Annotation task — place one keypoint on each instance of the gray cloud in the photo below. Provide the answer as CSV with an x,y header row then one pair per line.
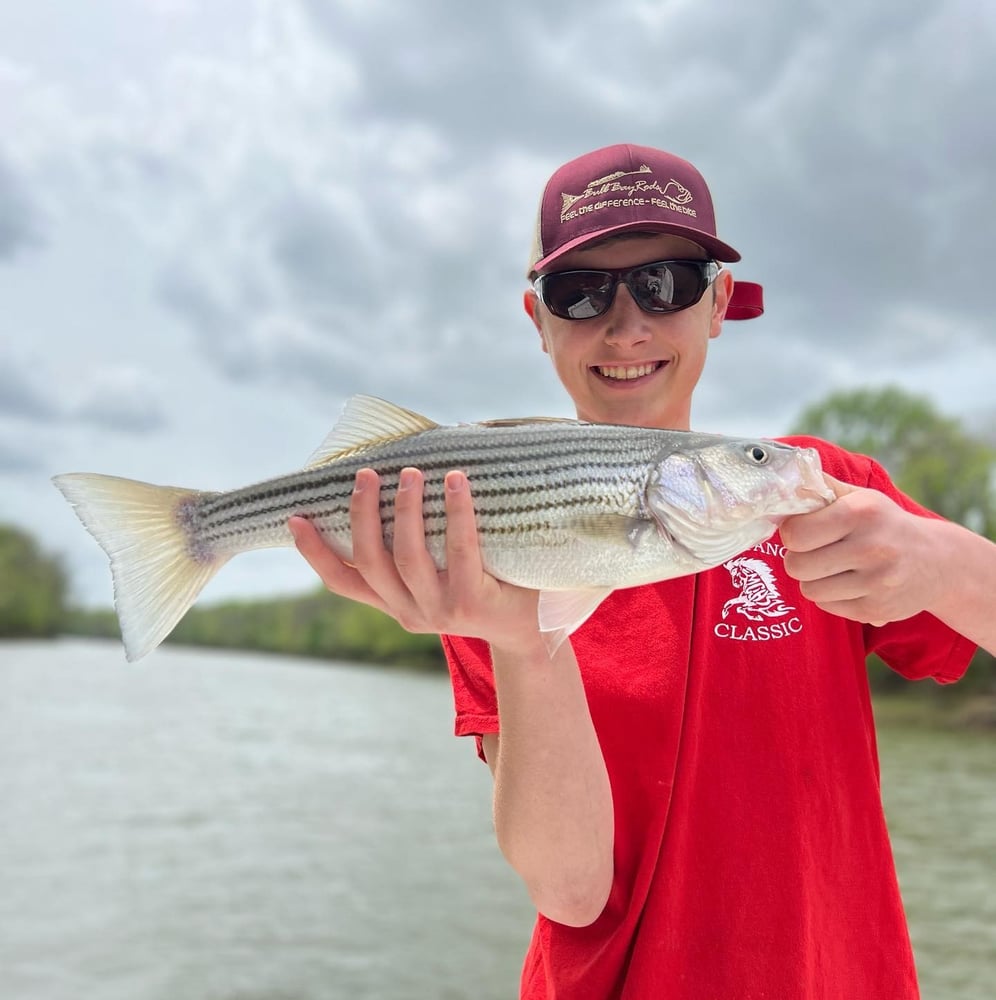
x,y
839,168
124,398
15,460
347,207
122,412
21,398
20,218
869,168
120,398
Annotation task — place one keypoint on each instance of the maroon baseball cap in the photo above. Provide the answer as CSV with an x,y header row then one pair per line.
x,y
626,188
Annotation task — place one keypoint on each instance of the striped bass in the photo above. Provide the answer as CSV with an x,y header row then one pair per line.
x,y
572,509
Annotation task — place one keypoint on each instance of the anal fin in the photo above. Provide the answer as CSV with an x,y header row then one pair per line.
x,y
562,612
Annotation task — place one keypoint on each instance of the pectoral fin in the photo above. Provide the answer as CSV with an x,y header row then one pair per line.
x,y
618,529
561,612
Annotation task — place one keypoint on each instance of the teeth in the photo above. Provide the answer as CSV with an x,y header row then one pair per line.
x,y
633,371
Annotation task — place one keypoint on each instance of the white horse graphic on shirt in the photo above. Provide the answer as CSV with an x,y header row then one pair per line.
x,y
759,597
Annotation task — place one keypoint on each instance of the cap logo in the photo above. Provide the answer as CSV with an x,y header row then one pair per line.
x,y
634,192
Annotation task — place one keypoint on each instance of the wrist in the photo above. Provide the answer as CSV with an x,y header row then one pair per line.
x,y
520,647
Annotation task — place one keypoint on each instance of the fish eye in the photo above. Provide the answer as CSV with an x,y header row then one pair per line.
x,y
757,454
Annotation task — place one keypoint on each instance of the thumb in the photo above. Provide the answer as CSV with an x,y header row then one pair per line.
x,y
838,488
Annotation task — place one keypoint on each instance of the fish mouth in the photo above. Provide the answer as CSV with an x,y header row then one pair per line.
x,y
812,484
628,373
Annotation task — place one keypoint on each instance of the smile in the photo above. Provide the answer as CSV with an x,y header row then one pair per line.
x,y
626,373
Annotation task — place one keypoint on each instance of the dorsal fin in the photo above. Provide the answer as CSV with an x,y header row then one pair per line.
x,y
367,421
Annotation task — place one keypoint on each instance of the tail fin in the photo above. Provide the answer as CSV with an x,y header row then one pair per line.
x,y
156,578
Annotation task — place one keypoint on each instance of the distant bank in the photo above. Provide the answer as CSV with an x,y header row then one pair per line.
x,y
317,624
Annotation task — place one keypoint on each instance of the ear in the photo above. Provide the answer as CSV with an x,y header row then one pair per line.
x,y
531,303
724,291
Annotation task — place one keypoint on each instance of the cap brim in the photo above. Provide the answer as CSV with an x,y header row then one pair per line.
x,y
716,248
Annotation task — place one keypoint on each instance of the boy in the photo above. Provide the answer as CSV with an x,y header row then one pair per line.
x,y
689,788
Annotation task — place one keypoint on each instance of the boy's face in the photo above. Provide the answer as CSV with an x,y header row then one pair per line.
x,y
628,366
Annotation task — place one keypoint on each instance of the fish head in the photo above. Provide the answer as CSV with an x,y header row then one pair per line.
x,y
729,493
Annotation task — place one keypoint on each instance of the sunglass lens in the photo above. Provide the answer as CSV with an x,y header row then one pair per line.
x,y
653,287
667,287
578,294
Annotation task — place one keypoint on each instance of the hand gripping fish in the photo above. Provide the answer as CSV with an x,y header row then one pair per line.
x,y
572,509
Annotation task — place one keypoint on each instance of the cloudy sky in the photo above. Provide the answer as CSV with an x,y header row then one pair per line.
x,y
220,218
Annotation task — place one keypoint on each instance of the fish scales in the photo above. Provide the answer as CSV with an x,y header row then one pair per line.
x,y
299,486
506,475
573,510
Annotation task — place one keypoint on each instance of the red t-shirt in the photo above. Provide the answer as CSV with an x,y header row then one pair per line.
x,y
751,853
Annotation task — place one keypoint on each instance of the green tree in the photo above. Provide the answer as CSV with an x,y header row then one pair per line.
x,y
318,624
929,456
32,587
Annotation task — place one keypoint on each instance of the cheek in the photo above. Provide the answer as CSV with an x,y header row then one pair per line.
x,y
535,312
554,344
568,348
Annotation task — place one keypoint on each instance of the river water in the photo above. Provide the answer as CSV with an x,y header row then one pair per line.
x,y
225,826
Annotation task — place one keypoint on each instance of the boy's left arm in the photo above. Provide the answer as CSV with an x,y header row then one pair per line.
x,y
865,558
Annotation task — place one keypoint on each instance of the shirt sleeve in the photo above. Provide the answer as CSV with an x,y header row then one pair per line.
x,y
473,679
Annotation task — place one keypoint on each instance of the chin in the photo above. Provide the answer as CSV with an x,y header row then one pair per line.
x,y
633,414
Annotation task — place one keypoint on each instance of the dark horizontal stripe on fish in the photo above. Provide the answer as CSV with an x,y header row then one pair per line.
x,y
290,500
295,485
506,453
527,521
513,461
305,490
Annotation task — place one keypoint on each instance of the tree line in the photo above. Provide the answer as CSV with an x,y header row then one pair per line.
x,y
931,457
33,588
318,624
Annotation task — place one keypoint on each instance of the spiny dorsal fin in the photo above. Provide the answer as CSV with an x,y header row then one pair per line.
x,y
367,421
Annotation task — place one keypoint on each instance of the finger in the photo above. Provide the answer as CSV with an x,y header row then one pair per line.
x,y
366,527
414,563
855,611
463,550
835,588
337,575
371,557
825,562
840,489
308,541
817,529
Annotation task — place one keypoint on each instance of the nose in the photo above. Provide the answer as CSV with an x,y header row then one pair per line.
x,y
627,323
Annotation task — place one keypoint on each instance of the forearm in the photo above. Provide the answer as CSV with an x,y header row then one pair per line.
x,y
966,598
553,805
552,800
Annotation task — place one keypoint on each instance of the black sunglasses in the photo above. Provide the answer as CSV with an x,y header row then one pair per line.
x,y
665,286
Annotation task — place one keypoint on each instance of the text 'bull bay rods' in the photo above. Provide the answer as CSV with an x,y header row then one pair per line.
x,y
572,509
